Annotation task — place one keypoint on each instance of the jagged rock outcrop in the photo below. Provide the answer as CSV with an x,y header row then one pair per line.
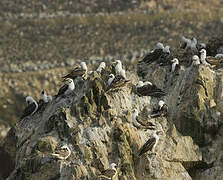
x,y
96,126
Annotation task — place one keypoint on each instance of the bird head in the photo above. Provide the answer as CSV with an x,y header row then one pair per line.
x,y
111,76
195,58
69,80
203,51
84,66
29,100
175,60
113,166
161,103
159,45
102,65
117,62
135,112
140,84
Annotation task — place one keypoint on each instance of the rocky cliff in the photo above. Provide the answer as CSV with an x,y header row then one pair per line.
x,y
96,127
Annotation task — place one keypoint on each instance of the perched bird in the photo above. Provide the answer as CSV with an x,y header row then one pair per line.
x,y
175,64
203,57
186,43
149,89
189,44
118,66
31,108
195,60
101,67
150,144
111,77
118,69
66,88
111,172
141,121
46,98
161,111
77,72
115,82
62,152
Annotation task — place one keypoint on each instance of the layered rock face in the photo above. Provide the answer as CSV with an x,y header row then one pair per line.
x,y
96,128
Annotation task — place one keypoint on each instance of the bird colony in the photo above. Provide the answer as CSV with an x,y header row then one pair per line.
x,y
116,79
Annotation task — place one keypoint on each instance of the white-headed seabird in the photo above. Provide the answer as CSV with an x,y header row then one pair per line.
x,y
149,89
77,72
101,66
203,57
189,44
66,88
139,121
150,144
175,64
110,173
111,77
118,69
46,98
195,60
115,82
31,108
161,111
62,152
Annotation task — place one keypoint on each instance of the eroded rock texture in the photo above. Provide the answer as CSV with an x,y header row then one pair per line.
x,y
96,128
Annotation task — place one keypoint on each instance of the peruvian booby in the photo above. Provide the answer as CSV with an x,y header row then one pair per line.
x,y
189,44
111,172
101,66
149,89
175,65
195,60
31,108
66,88
115,82
140,121
161,111
77,72
185,43
118,69
46,98
62,152
203,57
152,56
150,144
